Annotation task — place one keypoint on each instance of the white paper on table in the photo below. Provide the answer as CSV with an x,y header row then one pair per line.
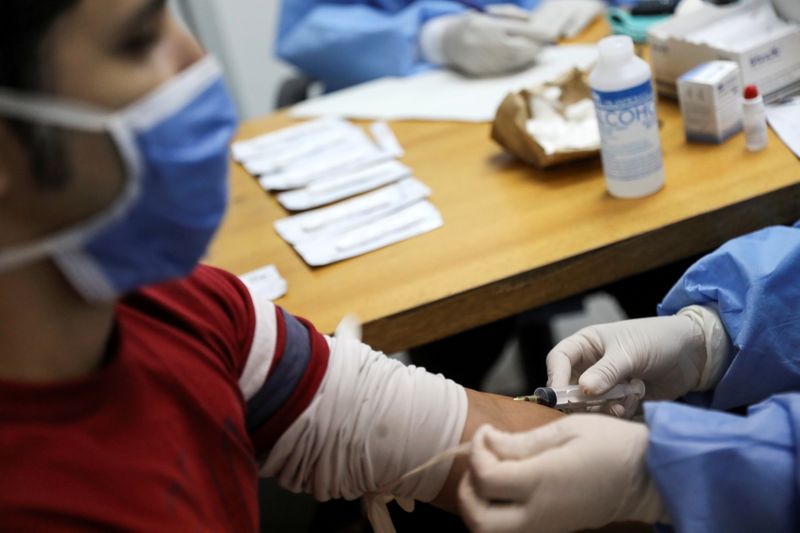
x,y
785,121
265,282
351,214
442,94
327,191
414,220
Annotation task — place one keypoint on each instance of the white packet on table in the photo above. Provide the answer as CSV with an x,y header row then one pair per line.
x,y
265,282
301,152
339,218
336,163
301,158
384,136
323,156
243,150
344,185
417,219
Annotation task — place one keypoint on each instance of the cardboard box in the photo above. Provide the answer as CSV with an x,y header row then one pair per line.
x,y
768,59
710,99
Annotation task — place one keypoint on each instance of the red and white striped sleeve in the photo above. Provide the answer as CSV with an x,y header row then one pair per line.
x,y
287,360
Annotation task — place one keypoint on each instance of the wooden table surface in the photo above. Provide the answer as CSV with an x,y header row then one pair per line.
x,y
513,238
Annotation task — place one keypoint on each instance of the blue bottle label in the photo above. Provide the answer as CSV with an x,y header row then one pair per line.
x,y
629,132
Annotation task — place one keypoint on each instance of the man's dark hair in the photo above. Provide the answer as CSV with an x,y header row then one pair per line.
x,y
23,25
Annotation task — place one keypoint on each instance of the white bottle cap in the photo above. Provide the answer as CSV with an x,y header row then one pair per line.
x,y
615,48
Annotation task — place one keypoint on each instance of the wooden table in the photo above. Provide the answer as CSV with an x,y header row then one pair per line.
x,y
514,238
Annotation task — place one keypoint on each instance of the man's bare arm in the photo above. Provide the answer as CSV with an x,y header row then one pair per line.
x,y
375,419
501,412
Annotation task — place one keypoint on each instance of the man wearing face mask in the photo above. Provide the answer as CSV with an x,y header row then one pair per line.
x,y
139,390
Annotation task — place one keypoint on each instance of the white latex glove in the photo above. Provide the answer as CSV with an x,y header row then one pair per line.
x,y
670,354
478,44
582,471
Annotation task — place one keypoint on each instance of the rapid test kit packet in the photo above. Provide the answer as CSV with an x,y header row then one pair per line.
x,y
710,102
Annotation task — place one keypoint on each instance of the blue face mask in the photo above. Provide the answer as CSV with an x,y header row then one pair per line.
x,y
174,145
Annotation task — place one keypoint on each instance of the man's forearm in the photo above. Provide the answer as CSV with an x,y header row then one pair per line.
x,y
501,412
374,419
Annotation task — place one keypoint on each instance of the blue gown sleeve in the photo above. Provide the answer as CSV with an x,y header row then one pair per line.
x,y
753,282
345,42
719,472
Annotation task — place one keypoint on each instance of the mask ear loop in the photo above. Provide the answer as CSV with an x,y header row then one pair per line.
x,y
174,95
53,112
84,273
76,117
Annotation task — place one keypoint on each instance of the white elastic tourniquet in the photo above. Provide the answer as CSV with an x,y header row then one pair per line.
x,y
372,420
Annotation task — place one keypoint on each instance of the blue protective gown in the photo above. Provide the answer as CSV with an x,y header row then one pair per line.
x,y
345,42
718,471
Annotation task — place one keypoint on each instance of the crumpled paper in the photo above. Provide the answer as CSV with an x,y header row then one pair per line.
x,y
510,127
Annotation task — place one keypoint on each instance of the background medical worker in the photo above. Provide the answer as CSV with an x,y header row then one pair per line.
x,y
138,390
729,331
345,42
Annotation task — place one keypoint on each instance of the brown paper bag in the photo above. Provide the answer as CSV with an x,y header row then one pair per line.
x,y
509,130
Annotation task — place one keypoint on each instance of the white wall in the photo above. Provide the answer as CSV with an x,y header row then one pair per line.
x,y
242,34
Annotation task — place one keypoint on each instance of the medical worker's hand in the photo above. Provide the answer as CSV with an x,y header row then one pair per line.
x,y
583,471
480,45
667,353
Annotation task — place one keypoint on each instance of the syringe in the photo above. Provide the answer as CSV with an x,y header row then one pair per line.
x,y
571,397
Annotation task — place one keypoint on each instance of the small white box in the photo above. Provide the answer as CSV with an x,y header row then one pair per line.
x,y
710,98
766,48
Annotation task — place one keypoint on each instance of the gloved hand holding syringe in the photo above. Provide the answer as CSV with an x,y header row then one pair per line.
x,y
573,398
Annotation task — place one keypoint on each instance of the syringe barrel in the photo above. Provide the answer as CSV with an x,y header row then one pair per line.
x,y
572,396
